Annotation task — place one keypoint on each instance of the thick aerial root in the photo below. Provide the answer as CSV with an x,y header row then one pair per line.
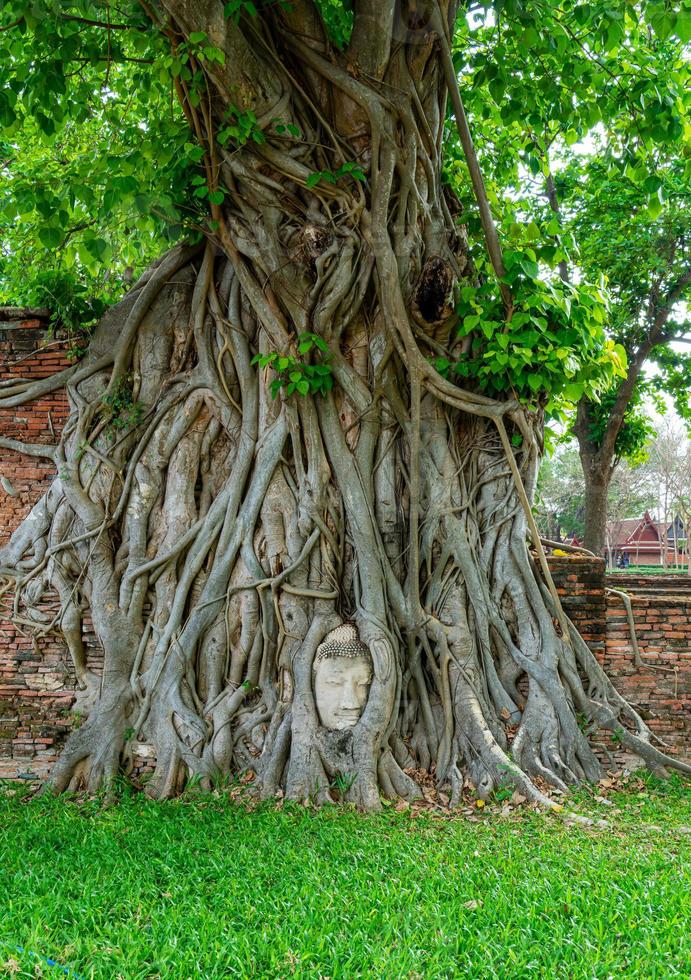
x,y
91,759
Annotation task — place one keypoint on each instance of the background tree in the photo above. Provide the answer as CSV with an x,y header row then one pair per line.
x,y
670,468
560,499
629,495
325,411
682,504
561,496
646,254
582,109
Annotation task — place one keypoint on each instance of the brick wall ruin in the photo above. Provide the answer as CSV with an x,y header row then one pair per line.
x,y
37,683
660,688
36,677
25,355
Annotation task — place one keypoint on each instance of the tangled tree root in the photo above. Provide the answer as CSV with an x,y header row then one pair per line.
x,y
217,534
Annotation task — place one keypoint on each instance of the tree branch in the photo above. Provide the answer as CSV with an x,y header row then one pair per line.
x,y
655,336
28,448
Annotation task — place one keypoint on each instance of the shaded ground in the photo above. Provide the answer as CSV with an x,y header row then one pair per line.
x,y
206,889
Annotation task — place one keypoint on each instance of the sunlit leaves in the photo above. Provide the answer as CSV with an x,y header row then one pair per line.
x,y
540,78
553,348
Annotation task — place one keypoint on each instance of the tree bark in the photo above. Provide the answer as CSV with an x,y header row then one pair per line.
x,y
219,517
595,529
598,465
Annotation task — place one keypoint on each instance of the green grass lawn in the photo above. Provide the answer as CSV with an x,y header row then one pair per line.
x,y
205,888
648,570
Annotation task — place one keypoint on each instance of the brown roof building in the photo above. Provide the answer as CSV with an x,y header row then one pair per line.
x,y
645,541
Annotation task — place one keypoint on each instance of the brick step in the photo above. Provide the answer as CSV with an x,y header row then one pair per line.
x,y
651,585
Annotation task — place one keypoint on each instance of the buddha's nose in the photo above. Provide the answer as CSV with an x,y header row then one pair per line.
x,y
350,698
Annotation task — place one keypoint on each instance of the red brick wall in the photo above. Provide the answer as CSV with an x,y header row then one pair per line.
x,y
661,688
656,584
580,582
22,356
36,693
36,679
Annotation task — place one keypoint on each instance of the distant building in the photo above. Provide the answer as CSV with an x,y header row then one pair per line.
x,y
643,541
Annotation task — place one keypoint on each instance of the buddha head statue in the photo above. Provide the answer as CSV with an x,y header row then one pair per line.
x,y
342,676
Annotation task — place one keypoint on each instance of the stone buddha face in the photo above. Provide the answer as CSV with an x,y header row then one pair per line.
x,y
342,678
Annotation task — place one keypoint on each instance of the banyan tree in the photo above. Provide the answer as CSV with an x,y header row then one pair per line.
x,y
307,547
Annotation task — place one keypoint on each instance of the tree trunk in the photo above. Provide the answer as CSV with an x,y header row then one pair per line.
x,y
598,474
330,587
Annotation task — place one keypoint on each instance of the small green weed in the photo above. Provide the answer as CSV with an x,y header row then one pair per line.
x,y
293,373
120,408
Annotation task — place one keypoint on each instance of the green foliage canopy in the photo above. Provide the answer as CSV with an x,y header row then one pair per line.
x,y
96,156
100,170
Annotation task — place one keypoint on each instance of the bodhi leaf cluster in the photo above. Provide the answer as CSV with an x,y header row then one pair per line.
x,y
120,408
553,347
294,373
348,169
72,306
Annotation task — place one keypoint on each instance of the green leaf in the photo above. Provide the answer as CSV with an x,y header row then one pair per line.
x,y
50,237
536,382
530,268
574,391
